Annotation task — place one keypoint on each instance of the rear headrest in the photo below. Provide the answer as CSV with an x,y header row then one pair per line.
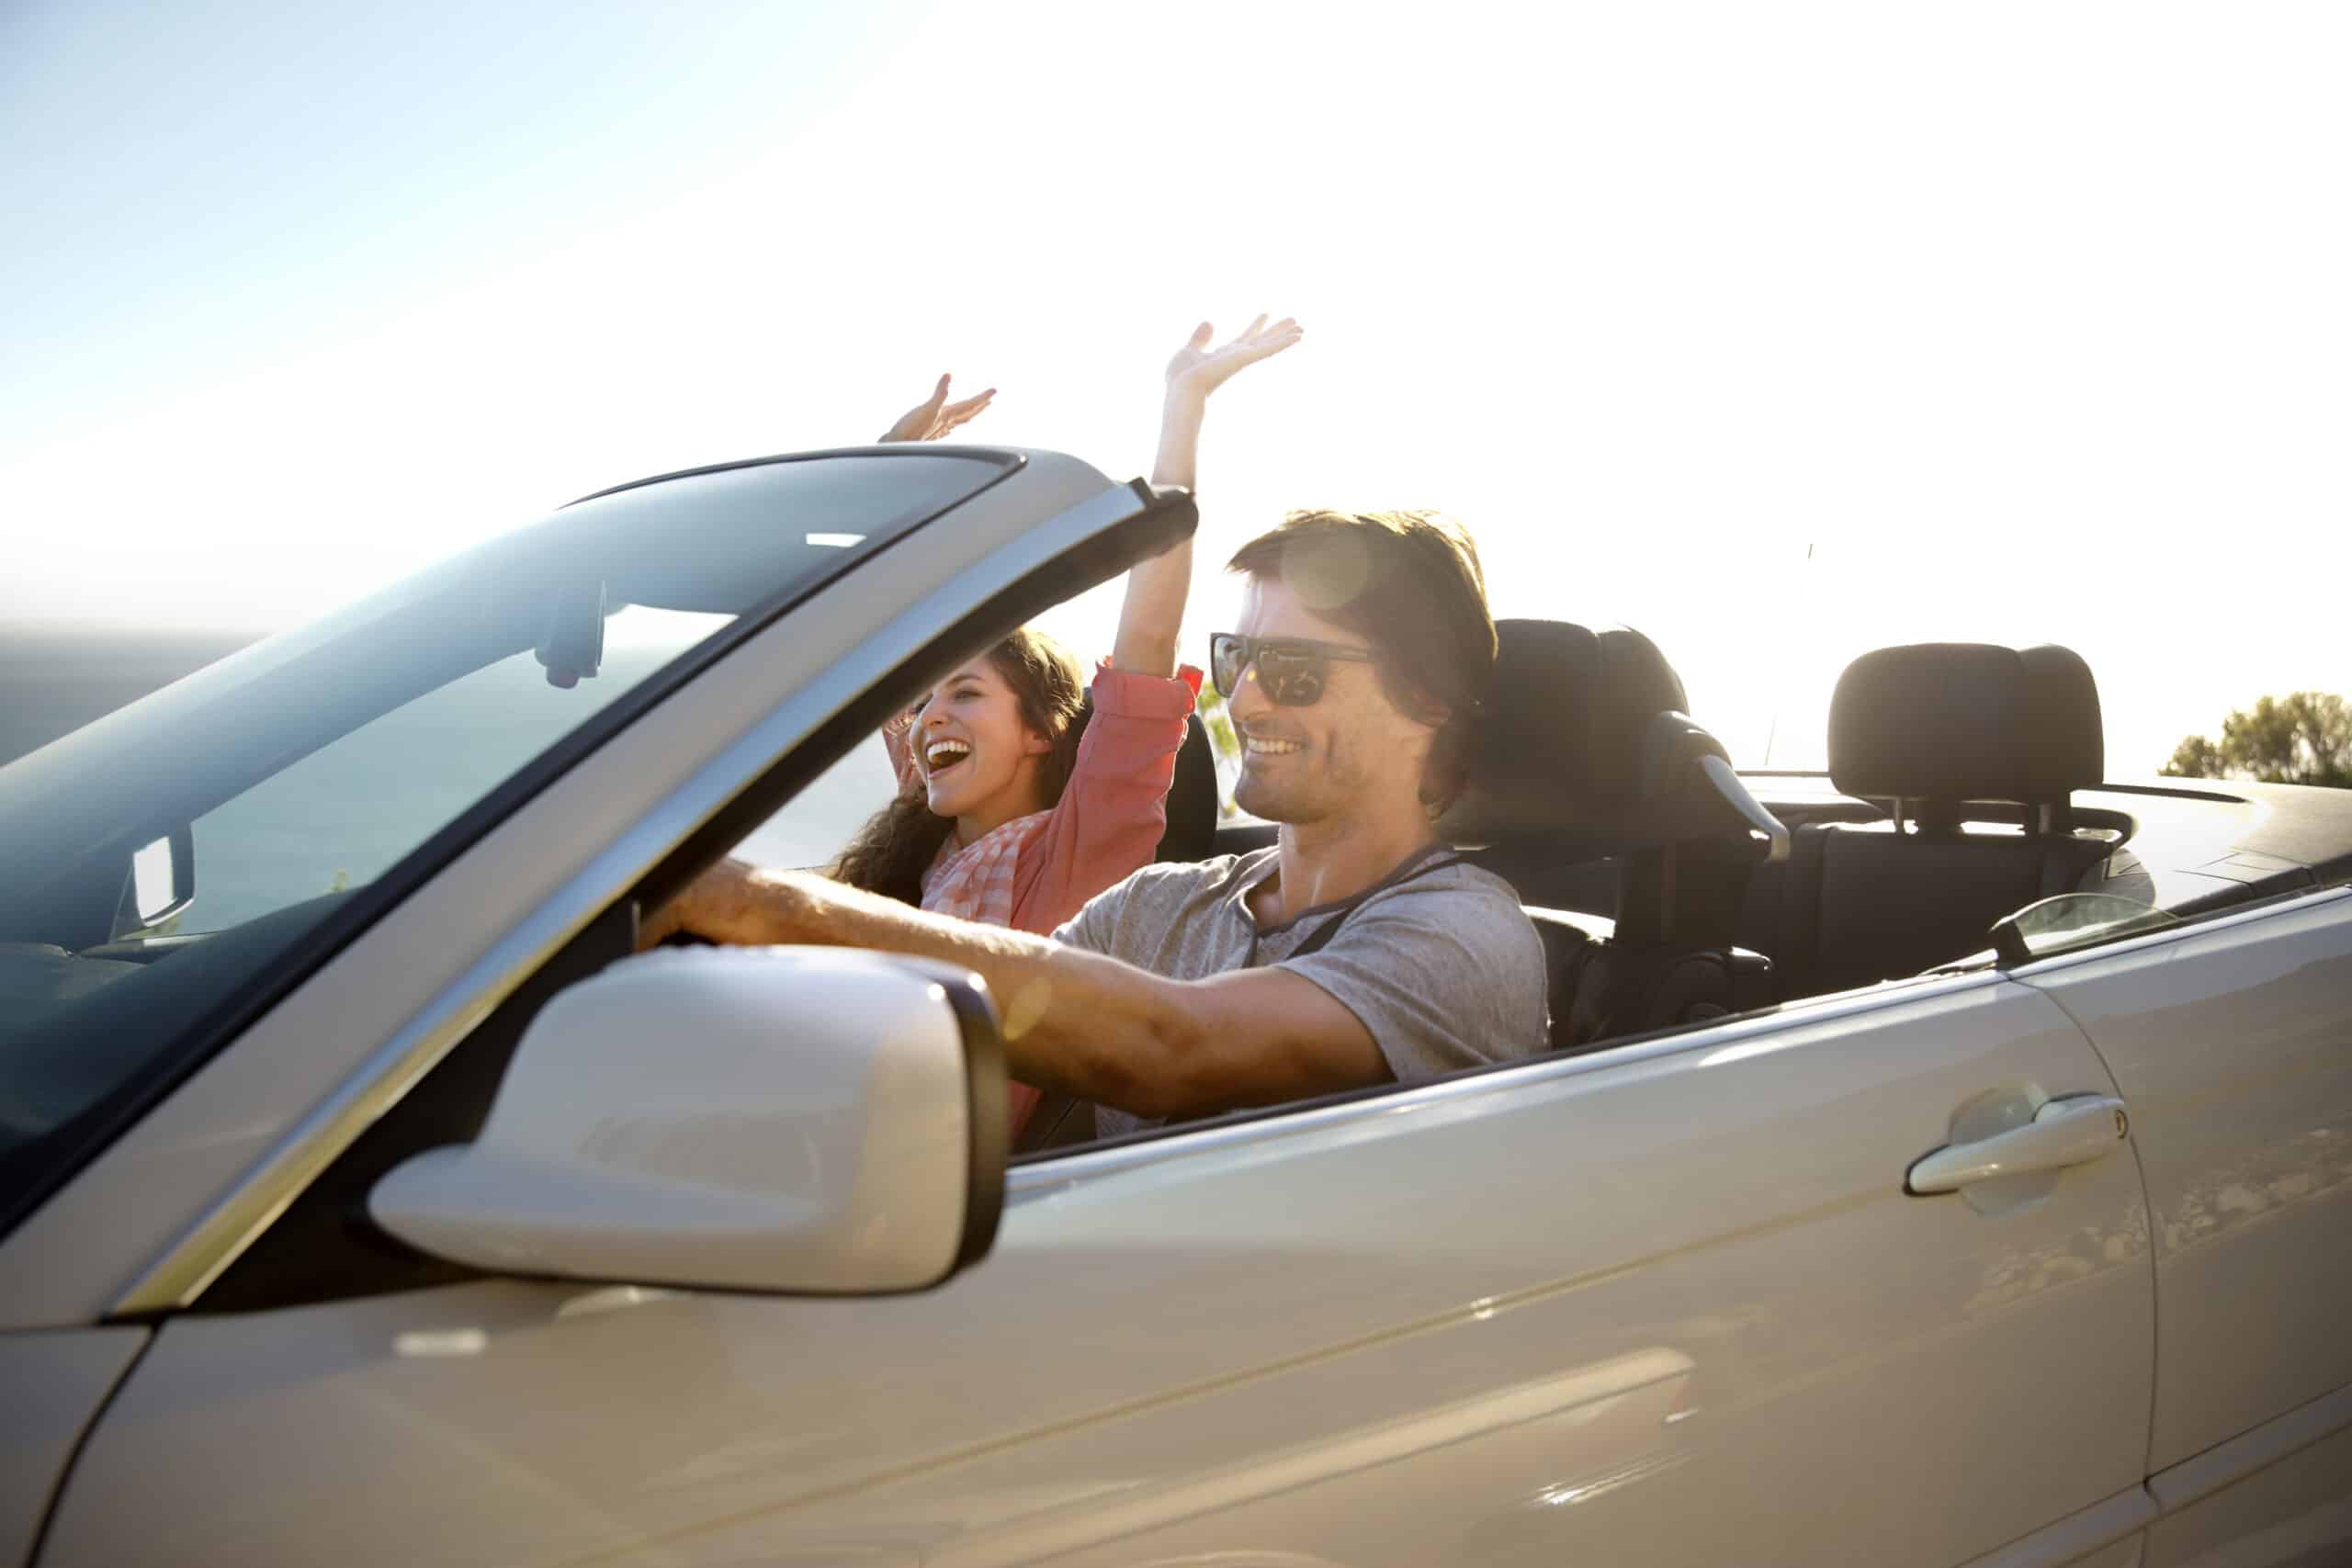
x,y
1966,721
1563,735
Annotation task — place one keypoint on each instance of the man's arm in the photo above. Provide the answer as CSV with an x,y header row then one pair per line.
x,y
1077,1022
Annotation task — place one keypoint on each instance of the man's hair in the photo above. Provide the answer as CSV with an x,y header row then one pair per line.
x,y
1408,584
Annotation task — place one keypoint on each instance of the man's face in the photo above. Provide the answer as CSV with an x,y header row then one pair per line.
x,y
1349,749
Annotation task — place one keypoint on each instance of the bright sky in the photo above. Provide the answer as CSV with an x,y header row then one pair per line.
x,y
2031,322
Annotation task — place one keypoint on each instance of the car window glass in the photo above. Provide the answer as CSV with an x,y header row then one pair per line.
x,y
810,831
2074,920
341,816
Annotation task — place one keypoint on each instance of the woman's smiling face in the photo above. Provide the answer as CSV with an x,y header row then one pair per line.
x,y
980,761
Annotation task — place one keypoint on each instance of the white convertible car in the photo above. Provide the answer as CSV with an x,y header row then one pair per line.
x,y
1944,1161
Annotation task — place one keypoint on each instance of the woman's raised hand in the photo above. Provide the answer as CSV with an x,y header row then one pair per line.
x,y
1153,614
1197,370
936,416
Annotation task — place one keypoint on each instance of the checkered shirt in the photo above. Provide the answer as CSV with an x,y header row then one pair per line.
x,y
975,883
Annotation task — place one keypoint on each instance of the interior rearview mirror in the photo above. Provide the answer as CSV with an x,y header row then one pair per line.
x,y
571,640
783,1119
160,884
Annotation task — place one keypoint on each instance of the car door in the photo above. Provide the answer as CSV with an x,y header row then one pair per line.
x,y
57,1383
1665,1303
2232,1041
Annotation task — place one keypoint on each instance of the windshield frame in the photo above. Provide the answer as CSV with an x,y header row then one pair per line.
x,y
30,1174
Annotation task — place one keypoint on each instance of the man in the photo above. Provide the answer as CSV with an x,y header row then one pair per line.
x,y
1355,952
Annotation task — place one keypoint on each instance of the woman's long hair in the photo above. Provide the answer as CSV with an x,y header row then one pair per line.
x,y
899,842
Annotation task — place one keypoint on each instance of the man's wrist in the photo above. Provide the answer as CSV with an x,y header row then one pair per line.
x,y
787,900
740,904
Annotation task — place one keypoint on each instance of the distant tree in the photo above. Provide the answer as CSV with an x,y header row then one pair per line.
x,y
2304,738
2196,758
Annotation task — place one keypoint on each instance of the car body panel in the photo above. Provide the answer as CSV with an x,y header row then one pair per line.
x,y
2123,1553
2294,1511
2105,1535
117,1237
57,1382
1579,1305
2233,1048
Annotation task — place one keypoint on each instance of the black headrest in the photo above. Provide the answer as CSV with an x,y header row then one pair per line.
x,y
1563,738
1966,721
1193,798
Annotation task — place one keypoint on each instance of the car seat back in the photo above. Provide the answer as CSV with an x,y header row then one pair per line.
x,y
1587,753
1193,797
1927,729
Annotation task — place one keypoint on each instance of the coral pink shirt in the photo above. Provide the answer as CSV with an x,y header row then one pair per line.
x,y
1034,872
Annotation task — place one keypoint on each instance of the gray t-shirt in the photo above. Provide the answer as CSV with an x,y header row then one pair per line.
x,y
1440,963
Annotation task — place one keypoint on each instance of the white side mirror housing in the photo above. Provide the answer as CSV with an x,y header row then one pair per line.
x,y
786,1119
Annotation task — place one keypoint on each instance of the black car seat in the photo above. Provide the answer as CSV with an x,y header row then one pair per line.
x,y
1587,753
1192,798
1925,729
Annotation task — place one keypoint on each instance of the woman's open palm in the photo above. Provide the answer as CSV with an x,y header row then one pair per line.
x,y
1199,369
936,416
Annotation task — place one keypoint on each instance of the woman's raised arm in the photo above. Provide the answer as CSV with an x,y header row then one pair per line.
x,y
936,416
1151,618
927,420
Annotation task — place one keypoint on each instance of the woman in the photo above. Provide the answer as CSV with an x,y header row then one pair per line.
x,y
1004,813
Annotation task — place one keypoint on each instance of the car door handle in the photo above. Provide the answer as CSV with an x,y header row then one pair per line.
x,y
2075,1130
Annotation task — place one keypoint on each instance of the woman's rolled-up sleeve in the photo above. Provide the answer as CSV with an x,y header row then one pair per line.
x,y
1114,807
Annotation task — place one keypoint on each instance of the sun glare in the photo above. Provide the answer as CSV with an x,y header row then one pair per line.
x,y
1777,335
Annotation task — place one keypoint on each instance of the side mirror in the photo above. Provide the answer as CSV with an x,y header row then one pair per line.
x,y
784,1118
159,883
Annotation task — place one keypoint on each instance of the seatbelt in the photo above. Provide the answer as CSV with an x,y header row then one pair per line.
x,y
1046,1123
1330,928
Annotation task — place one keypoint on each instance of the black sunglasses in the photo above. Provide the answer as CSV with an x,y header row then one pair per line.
x,y
1291,671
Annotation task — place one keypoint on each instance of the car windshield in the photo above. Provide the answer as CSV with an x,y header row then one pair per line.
x,y
160,867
